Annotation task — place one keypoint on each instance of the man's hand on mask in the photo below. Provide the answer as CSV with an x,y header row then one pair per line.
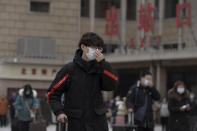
x,y
98,56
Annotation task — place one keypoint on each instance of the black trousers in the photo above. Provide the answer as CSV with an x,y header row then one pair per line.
x,y
164,123
24,125
3,120
144,129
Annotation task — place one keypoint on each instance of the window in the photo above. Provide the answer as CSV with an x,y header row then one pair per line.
x,y
131,9
170,8
103,5
36,6
110,48
85,8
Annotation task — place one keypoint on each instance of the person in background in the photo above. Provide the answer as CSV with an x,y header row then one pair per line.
x,y
113,109
4,107
140,100
164,114
179,107
125,110
193,112
26,104
46,110
11,104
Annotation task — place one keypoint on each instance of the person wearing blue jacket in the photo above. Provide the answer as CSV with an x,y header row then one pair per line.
x,y
25,106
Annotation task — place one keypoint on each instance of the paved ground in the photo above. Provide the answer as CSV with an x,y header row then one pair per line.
x,y
52,128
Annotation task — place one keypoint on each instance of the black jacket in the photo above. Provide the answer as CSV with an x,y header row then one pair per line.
x,y
82,82
136,99
178,121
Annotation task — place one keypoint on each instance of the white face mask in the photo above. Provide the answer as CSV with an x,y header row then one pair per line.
x,y
90,53
180,90
146,82
191,96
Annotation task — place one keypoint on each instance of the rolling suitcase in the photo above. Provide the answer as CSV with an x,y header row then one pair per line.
x,y
62,126
130,126
38,123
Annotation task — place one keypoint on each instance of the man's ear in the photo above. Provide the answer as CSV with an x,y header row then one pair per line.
x,y
82,46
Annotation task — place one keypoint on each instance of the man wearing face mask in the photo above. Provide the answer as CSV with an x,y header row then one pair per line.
x,y
81,82
140,99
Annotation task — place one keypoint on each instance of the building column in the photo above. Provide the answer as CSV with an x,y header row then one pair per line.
x,y
161,16
123,21
150,33
92,15
161,80
180,33
138,3
79,21
140,33
153,71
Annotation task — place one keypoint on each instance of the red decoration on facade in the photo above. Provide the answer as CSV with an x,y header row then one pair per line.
x,y
23,71
146,20
149,22
111,27
141,17
54,71
179,8
142,42
33,71
44,71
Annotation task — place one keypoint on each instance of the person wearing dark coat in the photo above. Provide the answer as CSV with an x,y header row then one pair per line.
x,y
140,99
179,107
11,103
81,82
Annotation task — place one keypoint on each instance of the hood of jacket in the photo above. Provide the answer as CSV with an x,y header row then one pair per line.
x,y
20,92
172,93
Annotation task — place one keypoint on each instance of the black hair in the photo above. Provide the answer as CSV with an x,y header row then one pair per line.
x,y
144,73
26,88
91,39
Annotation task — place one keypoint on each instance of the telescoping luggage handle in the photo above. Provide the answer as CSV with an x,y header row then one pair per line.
x,y
63,126
131,121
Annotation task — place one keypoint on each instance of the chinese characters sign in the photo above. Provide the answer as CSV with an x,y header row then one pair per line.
x,y
111,27
146,20
35,71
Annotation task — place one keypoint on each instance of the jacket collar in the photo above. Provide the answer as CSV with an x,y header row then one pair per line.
x,y
87,66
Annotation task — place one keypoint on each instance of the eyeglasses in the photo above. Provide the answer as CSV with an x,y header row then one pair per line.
x,y
100,49
97,48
